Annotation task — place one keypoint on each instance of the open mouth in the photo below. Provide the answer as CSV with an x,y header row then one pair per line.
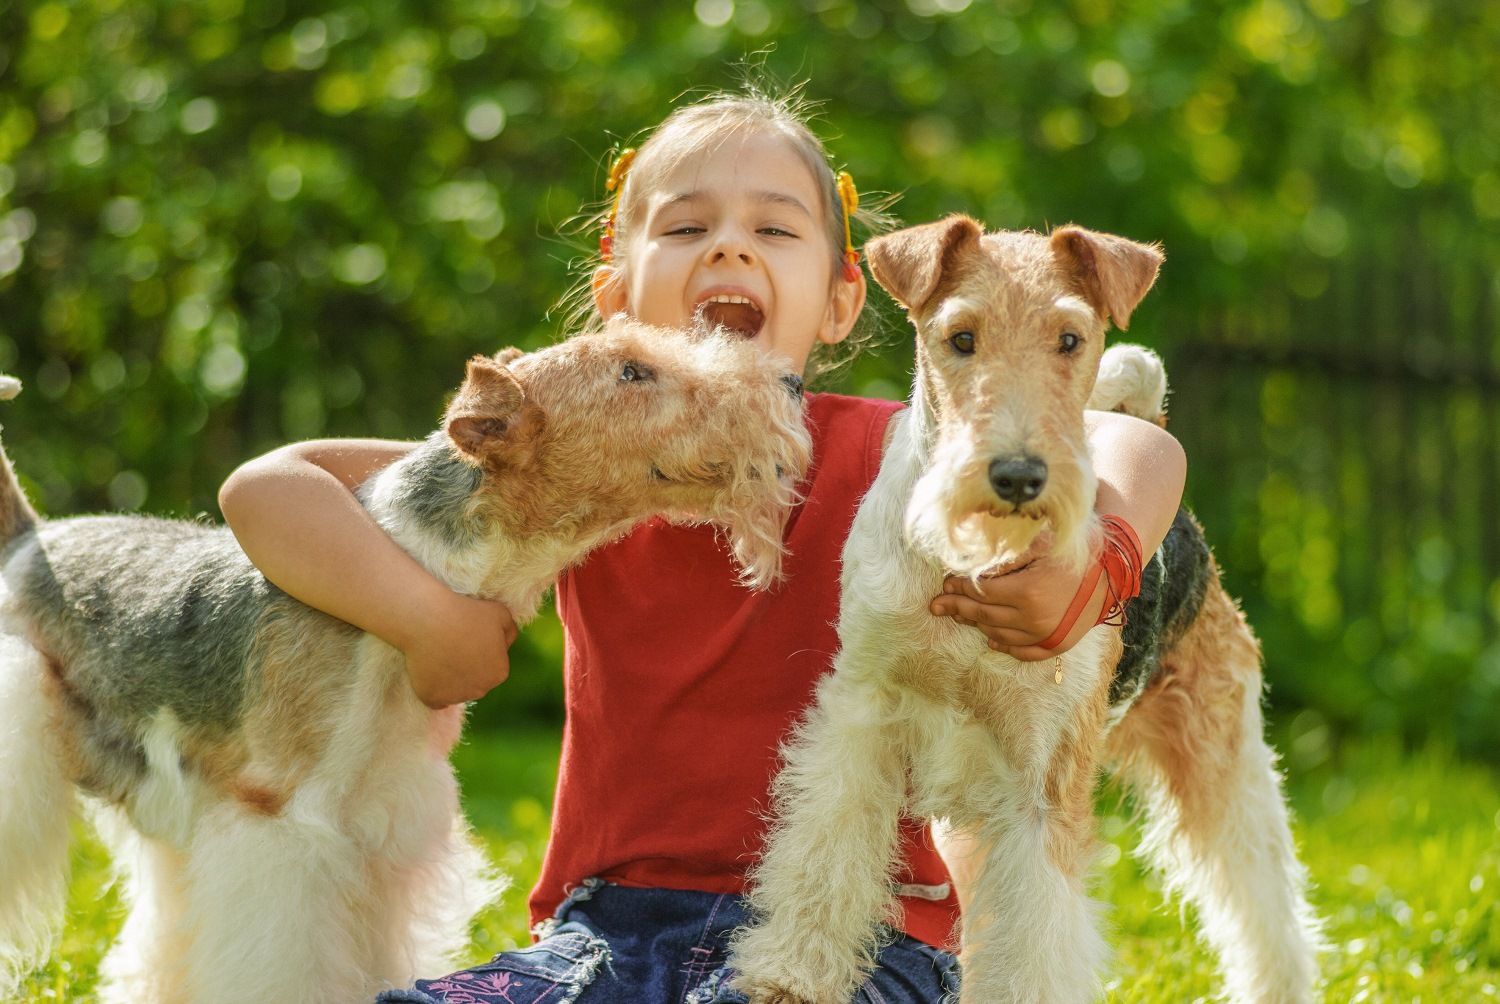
x,y
735,313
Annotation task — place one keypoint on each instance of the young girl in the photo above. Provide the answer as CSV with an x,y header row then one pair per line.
x,y
681,683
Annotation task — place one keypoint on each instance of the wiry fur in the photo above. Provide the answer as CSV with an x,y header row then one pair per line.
x,y
920,715
279,800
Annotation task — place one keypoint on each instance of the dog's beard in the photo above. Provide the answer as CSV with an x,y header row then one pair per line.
x,y
955,517
750,508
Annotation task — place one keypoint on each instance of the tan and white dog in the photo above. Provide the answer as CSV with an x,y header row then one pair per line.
x,y
921,716
280,801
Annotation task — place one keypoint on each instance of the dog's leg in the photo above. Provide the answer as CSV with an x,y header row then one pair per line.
x,y
145,965
278,906
823,886
425,904
35,815
1031,935
428,877
1193,749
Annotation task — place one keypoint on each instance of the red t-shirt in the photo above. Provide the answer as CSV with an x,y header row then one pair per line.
x,y
681,685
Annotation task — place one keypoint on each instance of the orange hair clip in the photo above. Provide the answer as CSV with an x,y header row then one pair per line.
x,y
849,199
615,183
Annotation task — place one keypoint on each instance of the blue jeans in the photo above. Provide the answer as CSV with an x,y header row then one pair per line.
x,y
613,945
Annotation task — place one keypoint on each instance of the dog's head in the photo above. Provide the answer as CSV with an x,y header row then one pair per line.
x,y
1010,327
592,435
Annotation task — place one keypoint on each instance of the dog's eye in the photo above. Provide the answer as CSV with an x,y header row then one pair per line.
x,y
1067,343
963,343
635,373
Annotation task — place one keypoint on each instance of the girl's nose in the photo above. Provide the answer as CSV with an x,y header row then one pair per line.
x,y
731,244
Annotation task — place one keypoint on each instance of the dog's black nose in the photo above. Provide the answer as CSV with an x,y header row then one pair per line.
x,y
1018,479
793,383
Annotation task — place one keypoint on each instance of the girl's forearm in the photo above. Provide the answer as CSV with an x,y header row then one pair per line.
x,y
1142,469
295,514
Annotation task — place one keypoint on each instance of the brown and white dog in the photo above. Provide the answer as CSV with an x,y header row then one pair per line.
x,y
280,800
920,715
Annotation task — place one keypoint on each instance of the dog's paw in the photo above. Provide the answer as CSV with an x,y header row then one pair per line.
x,y
760,992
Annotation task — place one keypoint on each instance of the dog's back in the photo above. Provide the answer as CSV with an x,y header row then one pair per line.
x,y
140,618
141,613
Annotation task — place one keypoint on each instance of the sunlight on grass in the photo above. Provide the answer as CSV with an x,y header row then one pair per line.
x,y
1404,853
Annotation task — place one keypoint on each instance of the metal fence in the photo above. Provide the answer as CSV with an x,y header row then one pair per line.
x,y
1343,457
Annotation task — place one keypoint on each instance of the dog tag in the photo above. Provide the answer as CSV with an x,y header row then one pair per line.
x,y
1057,664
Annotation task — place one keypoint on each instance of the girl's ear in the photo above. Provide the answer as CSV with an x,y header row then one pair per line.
x,y
610,294
844,305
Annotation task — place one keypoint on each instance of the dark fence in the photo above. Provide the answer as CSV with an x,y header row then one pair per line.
x,y
1343,457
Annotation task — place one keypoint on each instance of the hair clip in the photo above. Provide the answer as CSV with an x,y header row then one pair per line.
x,y
615,183
849,199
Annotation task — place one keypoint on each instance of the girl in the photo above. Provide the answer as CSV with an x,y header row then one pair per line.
x,y
680,683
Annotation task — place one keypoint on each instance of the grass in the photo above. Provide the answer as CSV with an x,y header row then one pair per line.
x,y
1404,850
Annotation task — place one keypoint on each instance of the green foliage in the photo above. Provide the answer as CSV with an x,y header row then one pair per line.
x,y
225,224
1404,853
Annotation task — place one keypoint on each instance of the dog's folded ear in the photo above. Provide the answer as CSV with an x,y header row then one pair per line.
x,y
911,263
508,355
489,410
1113,273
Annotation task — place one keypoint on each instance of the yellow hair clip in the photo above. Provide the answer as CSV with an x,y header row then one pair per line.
x,y
615,183
849,199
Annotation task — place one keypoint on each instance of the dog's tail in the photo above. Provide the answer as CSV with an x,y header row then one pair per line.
x,y
37,806
1132,380
16,513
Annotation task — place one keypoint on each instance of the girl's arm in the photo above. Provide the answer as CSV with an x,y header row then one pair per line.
x,y
1141,470
295,514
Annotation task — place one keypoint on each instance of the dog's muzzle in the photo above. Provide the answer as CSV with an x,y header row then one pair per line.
x,y
793,384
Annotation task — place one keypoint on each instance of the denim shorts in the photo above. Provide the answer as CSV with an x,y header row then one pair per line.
x,y
614,945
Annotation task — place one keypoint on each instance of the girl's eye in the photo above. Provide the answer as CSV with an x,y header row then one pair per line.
x,y
963,343
687,228
776,232
1067,343
635,373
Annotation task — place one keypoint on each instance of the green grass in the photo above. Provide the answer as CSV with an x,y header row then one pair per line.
x,y
1404,851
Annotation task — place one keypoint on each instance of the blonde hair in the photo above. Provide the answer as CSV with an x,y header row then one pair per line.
x,y
689,131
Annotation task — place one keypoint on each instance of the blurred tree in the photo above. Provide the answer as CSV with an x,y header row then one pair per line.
x,y
229,223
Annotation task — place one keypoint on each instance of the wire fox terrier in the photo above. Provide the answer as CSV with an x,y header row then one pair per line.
x,y
920,715
280,799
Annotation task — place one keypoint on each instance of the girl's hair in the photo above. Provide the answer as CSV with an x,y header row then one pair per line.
x,y
694,128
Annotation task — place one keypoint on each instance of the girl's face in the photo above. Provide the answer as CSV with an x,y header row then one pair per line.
x,y
736,233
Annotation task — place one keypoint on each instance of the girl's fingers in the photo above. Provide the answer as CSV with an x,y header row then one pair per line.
x,y
976,612
985,591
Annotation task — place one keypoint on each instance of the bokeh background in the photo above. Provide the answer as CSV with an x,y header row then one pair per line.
x,y
226,224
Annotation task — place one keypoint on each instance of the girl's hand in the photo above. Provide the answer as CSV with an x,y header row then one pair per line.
x,y
460,652
1017,610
